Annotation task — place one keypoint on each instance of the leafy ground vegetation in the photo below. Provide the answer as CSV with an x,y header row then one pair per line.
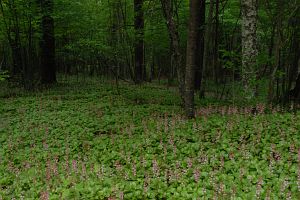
x,y
94,141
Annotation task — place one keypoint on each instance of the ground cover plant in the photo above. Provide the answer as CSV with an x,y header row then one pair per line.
x,y
94,141
149,99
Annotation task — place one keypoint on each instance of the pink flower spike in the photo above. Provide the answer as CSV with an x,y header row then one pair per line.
x,y
44,195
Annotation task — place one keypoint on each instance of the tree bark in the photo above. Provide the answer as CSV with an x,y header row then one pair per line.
x,y
199,67
172,26
277,49
12,26
192,55
48,68
208,44
216,43
294,56
139,45
295,93
249,46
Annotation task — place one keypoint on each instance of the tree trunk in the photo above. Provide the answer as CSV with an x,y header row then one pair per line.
x,y
249,46
277,49
294,59
192,55
139,44
12,26
48,68
172,26
199,68
216,43
208,44
295,93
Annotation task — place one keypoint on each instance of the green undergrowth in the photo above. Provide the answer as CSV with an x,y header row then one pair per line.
x,y
97,141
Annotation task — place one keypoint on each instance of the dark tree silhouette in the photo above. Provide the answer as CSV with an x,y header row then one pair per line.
x,y
192,55
48,68
140,71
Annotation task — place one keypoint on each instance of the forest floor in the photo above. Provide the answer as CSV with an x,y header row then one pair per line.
x,y
94,141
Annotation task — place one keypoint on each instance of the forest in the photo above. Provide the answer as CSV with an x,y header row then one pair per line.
x,y
149,99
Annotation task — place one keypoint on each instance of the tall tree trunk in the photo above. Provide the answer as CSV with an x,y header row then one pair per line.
x,y
192,55
294,62
295,93
114,40
169,13
249,46
216,43
13,36
139,44
48,68
208,44
199,68
277,49
295,55
270,52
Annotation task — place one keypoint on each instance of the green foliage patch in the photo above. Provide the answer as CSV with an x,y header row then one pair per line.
x,y
89,142
3,75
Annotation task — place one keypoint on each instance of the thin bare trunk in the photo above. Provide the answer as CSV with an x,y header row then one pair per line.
x,y
169,15
199,68
48,68
139,44
277,49
208,43
191,56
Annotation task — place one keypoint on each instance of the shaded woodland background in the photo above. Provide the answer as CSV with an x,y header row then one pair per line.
x,y
194,45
